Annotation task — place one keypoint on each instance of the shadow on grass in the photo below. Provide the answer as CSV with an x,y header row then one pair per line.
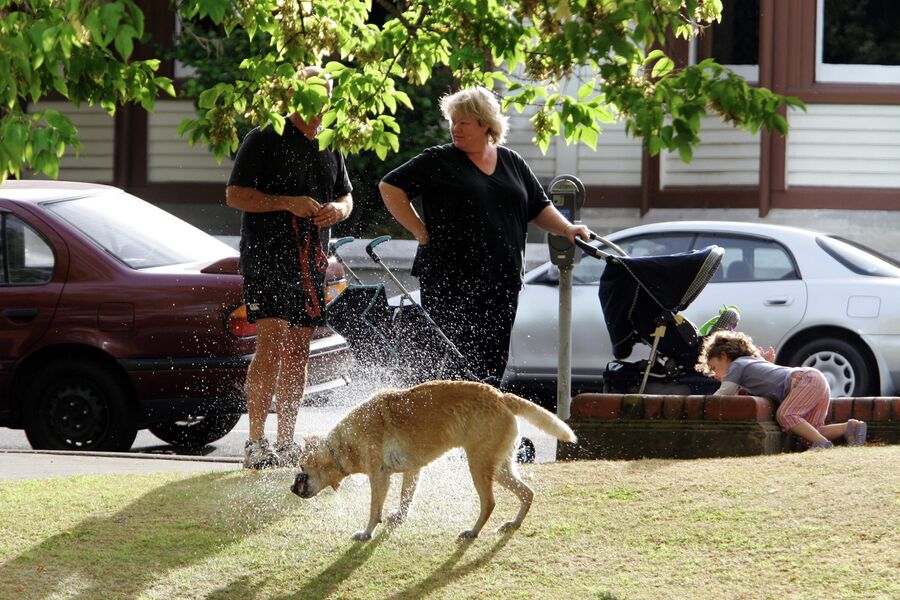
x,y
325,583
448,571
170,527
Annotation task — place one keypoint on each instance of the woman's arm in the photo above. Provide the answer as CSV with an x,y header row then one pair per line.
x,y
551,220
398,204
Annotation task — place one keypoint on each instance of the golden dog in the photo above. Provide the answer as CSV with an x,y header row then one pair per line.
x,y
401,431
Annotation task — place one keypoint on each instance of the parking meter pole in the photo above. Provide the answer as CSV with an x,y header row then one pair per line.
x,y
567,194
564,373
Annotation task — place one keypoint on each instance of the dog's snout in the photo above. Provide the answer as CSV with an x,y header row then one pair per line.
x,y
299,486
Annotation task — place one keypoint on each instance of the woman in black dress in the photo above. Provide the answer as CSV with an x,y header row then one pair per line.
x,y
477,199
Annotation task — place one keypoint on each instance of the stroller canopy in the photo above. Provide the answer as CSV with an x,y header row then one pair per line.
x,y
636,292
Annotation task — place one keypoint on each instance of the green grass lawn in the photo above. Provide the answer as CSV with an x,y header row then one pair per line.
x,y
810,525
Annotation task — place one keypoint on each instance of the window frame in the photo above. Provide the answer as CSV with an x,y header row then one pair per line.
x,y
848,73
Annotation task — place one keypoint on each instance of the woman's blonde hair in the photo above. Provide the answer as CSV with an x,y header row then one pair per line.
x,y
732,344
478,103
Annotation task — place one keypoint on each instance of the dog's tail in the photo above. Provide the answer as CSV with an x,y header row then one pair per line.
x,y
539,417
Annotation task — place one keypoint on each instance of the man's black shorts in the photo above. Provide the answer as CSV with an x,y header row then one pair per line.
x,y
298,303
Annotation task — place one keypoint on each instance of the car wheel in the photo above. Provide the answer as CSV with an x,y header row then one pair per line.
x,y
196,432
79,405
842,363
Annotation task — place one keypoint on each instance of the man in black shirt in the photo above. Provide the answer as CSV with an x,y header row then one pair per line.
x,y
290,193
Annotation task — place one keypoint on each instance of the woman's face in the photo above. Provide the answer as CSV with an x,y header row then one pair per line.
x,y
469,135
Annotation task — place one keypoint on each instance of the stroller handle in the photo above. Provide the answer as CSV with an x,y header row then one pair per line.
x,y
370,247
597,252
344,240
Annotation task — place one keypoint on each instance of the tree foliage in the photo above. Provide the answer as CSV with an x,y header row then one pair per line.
x,y
80,50
526,49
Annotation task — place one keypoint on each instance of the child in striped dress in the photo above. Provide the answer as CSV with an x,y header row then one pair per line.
x,y
801,393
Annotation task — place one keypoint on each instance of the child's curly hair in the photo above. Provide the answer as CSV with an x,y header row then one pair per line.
x,y
733,344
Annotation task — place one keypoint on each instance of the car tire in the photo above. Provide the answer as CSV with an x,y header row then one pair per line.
x,y
79,405
843,364
197,432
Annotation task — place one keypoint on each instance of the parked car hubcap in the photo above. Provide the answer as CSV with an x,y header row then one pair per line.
x,y
837,370
77,414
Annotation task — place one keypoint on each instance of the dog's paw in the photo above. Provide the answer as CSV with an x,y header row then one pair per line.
x,y
468,534
362,536
508,527
396,517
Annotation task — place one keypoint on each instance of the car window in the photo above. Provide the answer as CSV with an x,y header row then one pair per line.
x,y
138,233
26,257
859,258
750,258
589,270
656,244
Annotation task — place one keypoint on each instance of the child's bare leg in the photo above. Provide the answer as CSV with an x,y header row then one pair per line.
x,y
835,431
808,432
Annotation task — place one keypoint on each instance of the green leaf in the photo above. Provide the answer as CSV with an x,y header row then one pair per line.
x,y
208,98
662,67
124,44
403,98
328,118
586,90
325,137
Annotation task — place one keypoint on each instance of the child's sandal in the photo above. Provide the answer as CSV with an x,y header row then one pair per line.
x,y
821,445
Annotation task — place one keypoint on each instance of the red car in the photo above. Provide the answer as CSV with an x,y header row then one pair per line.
x,y
116,315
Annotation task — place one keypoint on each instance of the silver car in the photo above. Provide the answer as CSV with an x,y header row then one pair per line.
x,y
820,300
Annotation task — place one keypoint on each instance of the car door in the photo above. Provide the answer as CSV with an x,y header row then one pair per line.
x,y
33,265
759,276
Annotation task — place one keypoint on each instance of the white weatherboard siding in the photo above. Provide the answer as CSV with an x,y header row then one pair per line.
x,y
616,162
96,131
726,156
170,157
519,138
844,145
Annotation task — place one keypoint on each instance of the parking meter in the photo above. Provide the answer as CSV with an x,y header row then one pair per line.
x,y
567,194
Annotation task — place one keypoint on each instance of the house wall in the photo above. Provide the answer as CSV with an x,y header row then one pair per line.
x,y
170,158
844,146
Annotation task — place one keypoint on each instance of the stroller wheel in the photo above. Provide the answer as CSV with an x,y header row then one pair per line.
x,y
525,453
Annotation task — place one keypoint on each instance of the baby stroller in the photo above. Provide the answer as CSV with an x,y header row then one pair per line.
x,y
641,298
404,340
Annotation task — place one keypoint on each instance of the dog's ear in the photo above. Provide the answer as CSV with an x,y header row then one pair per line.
x,y
308,448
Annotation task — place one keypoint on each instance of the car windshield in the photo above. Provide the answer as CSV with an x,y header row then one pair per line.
x,y
138,233
859,258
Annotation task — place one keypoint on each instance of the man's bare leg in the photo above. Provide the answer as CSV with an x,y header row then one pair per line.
x,y
263,372
291,380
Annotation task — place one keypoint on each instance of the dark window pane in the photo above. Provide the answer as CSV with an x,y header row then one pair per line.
x,y
29,260
734,41
861,32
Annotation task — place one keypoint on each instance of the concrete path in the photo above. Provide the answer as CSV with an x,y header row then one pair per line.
x,y
20,464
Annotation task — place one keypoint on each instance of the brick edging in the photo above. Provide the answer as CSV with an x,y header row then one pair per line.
x,y
720,408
